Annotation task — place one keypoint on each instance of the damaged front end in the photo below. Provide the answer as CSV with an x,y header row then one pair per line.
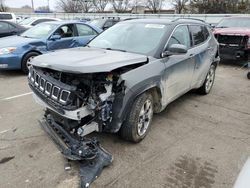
x,y
77,105
233,47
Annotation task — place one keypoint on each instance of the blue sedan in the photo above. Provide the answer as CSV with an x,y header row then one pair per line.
x,y
17,51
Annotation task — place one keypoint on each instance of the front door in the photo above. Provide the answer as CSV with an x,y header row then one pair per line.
x,y
66,40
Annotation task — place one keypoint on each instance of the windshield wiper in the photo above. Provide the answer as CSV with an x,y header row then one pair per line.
x,y
115,49
24,36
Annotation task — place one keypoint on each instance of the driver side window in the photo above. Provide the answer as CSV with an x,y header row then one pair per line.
x,y
65,31
180,36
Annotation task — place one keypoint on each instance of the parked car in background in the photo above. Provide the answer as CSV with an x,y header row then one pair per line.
x,y
7,16
124,75
17,51
33,21
233,35
82,19
9,28
104,23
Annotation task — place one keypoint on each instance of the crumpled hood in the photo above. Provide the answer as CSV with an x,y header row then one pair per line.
x,y
232,31
15,41
87,60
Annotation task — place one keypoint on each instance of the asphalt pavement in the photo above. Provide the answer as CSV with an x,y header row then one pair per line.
x,y
197,142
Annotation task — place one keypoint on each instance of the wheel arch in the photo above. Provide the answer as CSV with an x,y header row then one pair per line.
x,y
30,51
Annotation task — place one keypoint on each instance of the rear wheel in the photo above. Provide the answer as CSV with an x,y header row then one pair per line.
x,y
209,81
248,75
26,61
139,119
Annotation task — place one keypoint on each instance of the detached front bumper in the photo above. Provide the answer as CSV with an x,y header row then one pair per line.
x,y
92,157
10,61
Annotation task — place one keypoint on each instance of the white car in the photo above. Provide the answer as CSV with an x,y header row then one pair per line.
x,y
30,22
243,180
7,16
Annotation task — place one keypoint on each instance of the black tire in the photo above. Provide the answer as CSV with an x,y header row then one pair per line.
x,y
130,130
204,90
25,60
248,75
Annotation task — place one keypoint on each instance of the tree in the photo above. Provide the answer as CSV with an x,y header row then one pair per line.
x,y
180,5
85,5
100,5
154,5
3,8
43,9
69,6
120,6
26,7
219,7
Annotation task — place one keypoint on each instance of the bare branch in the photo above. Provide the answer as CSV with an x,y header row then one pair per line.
x,y
180,5
100,5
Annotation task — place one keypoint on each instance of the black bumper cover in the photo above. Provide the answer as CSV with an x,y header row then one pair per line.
x,y
92,157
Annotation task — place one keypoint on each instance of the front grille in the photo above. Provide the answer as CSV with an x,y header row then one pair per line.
x,y
232,40
49,87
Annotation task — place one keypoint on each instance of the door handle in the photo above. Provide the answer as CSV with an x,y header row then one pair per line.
x,y
191,55
209,48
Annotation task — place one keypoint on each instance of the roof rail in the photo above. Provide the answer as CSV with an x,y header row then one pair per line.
x,y
196,19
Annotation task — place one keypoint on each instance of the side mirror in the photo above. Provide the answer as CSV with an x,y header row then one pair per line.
x,y
175,49
212,26
55,37
105,27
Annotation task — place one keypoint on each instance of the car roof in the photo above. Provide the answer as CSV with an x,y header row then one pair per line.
x,y
167,21
6,13
67,22
233,17
37,18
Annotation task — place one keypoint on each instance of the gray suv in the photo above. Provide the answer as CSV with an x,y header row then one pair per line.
x,y
122,77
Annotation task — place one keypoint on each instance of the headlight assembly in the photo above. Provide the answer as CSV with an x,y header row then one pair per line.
x,y
7,50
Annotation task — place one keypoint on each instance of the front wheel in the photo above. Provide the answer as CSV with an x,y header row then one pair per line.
x,y
26,61
209,81
139,119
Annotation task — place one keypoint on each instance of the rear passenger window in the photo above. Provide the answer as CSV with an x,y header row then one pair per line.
x,y
5,16
180,36
84,30
205,32
197,33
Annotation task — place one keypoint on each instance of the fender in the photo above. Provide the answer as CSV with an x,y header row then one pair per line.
x,y
136,81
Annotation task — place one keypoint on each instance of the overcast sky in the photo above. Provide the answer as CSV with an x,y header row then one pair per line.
x,y
37,3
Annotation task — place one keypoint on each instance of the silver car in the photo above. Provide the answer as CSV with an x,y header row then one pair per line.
x,y
122,77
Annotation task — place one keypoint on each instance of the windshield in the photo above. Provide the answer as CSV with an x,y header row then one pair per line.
x,y
39,31
131,37
234,22
98,23
27,21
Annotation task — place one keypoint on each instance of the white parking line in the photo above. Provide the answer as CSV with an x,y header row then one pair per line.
x,y
16,96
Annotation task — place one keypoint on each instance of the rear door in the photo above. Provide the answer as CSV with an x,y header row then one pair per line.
x,y
68,38
4,29
202,49
179,68
84,34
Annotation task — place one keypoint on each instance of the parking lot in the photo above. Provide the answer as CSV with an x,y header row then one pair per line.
x,y
198,141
